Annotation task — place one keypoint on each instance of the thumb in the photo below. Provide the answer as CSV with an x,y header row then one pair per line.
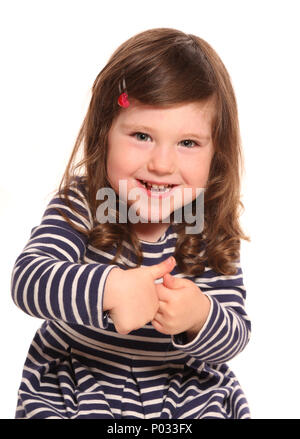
x,y
159,270
173,282
169,281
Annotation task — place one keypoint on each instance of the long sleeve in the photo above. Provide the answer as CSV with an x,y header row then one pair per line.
x,y
227,329
50,280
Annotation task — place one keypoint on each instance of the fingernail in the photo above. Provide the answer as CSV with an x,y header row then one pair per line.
x,y
172,260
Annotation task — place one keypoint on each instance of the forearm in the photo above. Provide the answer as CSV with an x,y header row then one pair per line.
x,y
204,308
60,290
111,286
224,334
50,279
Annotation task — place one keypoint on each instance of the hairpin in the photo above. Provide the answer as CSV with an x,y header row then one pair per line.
x,y
123,98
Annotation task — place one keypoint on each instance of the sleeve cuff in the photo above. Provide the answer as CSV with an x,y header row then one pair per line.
x,y
103,318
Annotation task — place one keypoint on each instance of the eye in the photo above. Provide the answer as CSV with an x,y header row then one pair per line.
x,y
141,136
187,143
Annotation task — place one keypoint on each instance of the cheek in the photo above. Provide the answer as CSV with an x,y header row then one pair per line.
x,y
110,164
197,171
122,162
115,154
114,168
124,157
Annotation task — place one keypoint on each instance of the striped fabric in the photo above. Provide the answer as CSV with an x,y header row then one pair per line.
x,y
78,366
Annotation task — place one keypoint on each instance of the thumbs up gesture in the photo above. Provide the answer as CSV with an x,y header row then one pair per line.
x,y
131,295
182,307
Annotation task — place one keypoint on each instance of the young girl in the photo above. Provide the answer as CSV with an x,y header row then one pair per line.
x,y
141,316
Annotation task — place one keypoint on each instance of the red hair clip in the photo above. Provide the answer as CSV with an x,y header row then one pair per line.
x,y
123,98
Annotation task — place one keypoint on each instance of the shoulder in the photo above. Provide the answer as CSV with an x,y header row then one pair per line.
x,y
71,201
78,187
75,192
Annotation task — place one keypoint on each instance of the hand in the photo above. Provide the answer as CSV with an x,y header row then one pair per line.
x,y
182,306
130,295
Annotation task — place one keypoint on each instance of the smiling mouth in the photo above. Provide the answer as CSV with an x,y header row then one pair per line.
x,y
156,187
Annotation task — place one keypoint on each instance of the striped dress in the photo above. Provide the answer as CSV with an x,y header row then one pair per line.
x,y
79,367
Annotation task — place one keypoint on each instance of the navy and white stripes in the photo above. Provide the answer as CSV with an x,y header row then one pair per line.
x,y
78,366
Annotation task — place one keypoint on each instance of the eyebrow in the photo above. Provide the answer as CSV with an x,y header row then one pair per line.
x,y
144,128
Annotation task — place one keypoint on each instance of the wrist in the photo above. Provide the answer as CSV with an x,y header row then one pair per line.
x,y
111,287
204,312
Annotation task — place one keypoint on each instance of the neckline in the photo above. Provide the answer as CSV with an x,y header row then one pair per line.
x,y
162,238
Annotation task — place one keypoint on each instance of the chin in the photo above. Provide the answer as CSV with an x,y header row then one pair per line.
x,y
146,215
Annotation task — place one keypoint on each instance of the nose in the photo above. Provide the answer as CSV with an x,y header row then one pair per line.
x,y
162,160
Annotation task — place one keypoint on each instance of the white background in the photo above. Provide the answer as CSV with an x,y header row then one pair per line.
x,y
51,53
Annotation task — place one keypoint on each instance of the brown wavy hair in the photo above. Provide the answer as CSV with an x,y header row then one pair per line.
x,y
165,66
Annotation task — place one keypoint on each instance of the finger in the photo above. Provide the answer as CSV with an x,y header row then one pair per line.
x,y
156,325
159,327
158,270
161,308
158,319
173,282
163,293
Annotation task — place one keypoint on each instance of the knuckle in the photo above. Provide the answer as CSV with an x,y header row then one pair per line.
x,y
124,332
121,329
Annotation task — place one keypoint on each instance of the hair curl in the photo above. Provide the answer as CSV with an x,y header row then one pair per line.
x,y
165,66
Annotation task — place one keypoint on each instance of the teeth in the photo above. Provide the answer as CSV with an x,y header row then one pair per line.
x,y
156,187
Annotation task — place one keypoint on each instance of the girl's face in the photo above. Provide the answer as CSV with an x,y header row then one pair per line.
x,y
161,146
